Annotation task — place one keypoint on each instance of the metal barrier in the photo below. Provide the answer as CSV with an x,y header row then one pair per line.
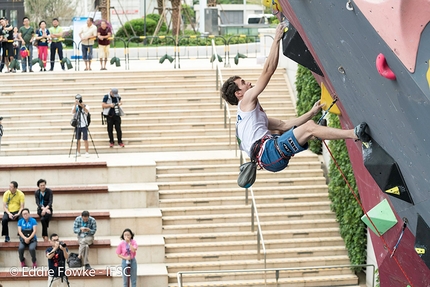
x,y
218,84
276,271
246,45
95,52
198,47
151,51
167,47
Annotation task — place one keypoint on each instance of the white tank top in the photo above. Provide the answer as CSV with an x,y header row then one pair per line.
x,y
250,127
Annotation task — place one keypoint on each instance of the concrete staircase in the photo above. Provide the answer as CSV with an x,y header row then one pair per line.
x,y
174,183
207,226
162,111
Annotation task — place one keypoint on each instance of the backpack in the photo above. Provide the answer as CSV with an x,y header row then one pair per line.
x,y
73,261
74,120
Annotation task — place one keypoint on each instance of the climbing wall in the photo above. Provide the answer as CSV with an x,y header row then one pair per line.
x,y
364,61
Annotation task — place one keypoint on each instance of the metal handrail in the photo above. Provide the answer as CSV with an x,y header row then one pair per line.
x,y
254,211
276,271
218,84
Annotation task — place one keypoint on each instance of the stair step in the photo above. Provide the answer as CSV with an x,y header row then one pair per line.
x,y
244,226
238,279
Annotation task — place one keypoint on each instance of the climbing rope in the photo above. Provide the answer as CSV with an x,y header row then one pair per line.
x,y
368,217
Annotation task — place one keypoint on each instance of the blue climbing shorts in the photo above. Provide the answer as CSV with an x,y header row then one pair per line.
x,y
271,160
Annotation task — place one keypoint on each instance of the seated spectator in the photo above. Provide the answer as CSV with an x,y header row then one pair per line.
x,y
44,199
13,204
27,227
85,227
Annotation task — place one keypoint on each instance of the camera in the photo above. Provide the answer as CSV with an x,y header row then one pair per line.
x,y
62,243
79,98
116,107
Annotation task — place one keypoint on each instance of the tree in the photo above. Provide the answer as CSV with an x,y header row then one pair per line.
x,y
48,9
176,24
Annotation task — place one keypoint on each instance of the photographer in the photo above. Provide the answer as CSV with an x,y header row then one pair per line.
x,y
113,112
57,256
80,111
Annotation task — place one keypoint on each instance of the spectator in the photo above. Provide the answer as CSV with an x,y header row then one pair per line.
x,y
112,111
56,33
16,44
80,110
44,199
104,33
13,204
85,227
57,255
27,228
26,34
126,250
88,34
43,37
7,43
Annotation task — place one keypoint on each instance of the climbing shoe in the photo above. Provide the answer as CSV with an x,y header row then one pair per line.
x,y
360,132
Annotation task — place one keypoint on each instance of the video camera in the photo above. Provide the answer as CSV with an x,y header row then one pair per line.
x,y
62,243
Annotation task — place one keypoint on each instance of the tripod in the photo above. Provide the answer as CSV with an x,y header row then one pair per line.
x,y
63,278
79,116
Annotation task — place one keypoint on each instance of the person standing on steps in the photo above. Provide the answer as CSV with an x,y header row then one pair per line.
x,y
103,35
112,112
126,250
56,44
26,34
88,34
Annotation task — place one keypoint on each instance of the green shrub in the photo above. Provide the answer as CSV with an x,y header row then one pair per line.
x,y
348,211
138,26
308,92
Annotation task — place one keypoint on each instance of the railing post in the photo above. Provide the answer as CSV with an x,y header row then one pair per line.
x,y
225,116
229,132
252,218
179,277
258,245
217,80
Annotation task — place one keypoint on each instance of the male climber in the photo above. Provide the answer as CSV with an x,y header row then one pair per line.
x,y
253,126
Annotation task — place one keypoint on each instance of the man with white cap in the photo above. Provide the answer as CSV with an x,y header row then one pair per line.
x,y
112,112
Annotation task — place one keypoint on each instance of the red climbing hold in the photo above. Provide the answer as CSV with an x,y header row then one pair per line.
x,y
383,69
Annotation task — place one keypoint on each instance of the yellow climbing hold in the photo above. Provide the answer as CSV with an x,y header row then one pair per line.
x,y
273,4
420,251
395,190
327,100
428,74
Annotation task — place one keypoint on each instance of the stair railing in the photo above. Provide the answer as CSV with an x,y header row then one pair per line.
x,y
276,271
254,215
218,83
